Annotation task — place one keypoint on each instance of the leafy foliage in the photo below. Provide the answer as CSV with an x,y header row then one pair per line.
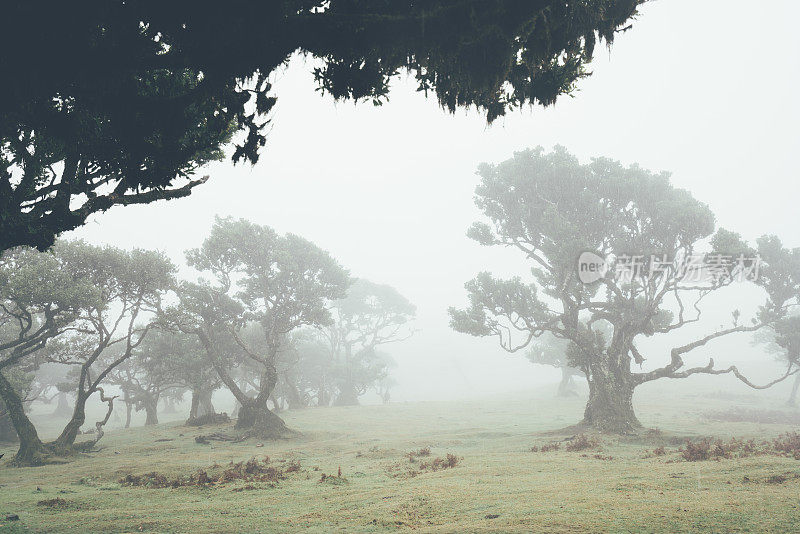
x,y
121,102
553,209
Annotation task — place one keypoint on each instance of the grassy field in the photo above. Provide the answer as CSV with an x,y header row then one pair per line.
x,y
498,484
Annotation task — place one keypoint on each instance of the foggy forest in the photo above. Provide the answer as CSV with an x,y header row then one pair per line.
x,y
392,265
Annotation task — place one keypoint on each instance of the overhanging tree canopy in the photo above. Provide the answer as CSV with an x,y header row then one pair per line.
x,y
119,102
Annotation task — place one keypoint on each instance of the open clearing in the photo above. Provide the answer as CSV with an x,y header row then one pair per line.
x,y
498,483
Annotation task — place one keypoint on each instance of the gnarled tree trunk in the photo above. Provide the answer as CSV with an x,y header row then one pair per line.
x,y
66,440
31,449
151,410
793,395
62,407
294,397
205,406
610,405
7,432
566,386
255,416
195,405
128,413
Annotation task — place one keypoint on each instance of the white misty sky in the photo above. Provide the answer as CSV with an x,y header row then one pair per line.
x,y
706,90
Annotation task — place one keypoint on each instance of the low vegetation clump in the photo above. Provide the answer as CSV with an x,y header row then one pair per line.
x,y
582,442
403,470
253,470
709,449
423,452
547,447
787,444
53,503
449,461
335,480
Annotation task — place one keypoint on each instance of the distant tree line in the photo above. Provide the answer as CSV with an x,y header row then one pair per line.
x,y
275,320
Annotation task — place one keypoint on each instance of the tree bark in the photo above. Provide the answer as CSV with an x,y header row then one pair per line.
x,y
7,432
610,404
128,413
67,438
195,406
62,408
205,405
565,387
151,410
322,395
793,395
31,449
348,396
294,397
255,416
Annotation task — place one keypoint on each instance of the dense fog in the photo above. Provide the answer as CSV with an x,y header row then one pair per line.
x,y
389,190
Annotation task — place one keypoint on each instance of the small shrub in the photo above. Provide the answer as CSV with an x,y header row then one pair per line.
x,y
776,479
423,452
696,451
708,449
581,442
53,503
788,444
448,462
253,470
554,446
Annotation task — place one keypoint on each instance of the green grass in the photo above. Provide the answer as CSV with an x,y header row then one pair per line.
x,y
556,491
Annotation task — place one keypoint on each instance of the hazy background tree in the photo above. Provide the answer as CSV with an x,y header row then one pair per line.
x,y
369,316
156,367
553,351
131,285
165,87
283,283
782,339
552,209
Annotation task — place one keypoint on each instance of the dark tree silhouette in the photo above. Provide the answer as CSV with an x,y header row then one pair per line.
x,y
119,102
